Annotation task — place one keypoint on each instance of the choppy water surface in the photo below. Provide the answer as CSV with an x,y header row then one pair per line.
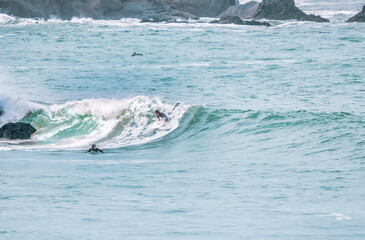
x,y
268,141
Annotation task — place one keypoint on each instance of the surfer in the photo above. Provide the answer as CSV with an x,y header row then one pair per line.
x,y
161,115
136,54
95,149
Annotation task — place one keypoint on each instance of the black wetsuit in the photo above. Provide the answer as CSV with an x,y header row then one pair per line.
x,y
95,150
137,54
162,115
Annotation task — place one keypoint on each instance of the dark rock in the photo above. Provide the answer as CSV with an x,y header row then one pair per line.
x,y
284,10
256,23
360,17
244,11
1,111
17,131
239,21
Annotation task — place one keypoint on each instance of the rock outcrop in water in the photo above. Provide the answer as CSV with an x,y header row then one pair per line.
x,y
239,21
17,131
284,10
360,17
244,11
115,9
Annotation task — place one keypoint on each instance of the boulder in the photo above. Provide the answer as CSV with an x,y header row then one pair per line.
x,y
360,17
284,10
17,130
239,21
244,11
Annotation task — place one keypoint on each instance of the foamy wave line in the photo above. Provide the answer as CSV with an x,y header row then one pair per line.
x,y
331,14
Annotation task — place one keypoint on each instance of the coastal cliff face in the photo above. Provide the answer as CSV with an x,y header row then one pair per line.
x,y
114,9
245,11
201,8
64,9
360,17
284,10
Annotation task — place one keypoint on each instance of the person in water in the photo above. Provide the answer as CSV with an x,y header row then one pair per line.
x,y
136,54
95,149
161,115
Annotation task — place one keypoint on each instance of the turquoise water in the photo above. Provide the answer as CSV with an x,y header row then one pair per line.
x,y
267,142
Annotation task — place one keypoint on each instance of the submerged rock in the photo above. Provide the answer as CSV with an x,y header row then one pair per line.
x,y
284,10
256,23
153,20
239,21
244,11
360,17
17,130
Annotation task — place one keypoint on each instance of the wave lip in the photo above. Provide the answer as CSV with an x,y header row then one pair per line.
x,y
111,123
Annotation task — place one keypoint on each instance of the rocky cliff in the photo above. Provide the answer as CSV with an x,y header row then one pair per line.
x,y
201,8
360,17
114,9
245,11
284,10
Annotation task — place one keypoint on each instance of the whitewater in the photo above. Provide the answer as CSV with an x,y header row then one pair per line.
x,y
267,140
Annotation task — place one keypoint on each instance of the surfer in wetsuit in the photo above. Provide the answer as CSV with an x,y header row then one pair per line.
x,y
161,115
95,149
136,54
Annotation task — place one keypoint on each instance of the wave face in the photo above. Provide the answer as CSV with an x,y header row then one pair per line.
x,y
118,123
76,124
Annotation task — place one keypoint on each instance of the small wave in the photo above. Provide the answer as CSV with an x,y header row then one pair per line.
x,y
338,216
6,19
184,65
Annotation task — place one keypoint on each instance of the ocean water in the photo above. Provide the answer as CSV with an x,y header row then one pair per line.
x,y
267,141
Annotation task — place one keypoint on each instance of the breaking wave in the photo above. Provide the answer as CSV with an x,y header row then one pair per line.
x,y
114,123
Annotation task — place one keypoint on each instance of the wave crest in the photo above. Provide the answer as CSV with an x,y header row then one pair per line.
x,y
112,123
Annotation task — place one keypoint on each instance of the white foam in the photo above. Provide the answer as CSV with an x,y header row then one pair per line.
x,y
338,216
4,19
332,14
15,109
